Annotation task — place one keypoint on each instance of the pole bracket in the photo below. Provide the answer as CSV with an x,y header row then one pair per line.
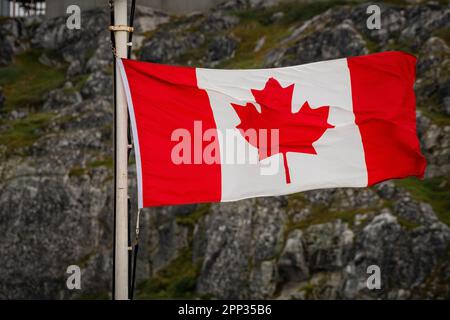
x,y
121,27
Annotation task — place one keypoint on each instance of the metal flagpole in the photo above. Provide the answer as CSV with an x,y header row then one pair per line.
x,y
121,186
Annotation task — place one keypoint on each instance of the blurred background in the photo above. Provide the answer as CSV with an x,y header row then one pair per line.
x,y
56,158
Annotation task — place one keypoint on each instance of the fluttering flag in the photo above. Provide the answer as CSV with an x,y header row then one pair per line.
x,y
207,135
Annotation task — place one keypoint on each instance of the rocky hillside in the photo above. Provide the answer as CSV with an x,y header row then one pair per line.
x,y
56,167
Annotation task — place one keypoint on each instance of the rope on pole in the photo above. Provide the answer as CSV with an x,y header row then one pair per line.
x,y
115,28
113,47
136,250
132,258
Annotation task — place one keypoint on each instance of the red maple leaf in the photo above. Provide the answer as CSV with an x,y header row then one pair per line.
x,y
297,131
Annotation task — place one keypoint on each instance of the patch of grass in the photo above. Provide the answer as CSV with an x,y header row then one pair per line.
x,y
322,214
408,225
194,217
258,23
193,56
308,290
78,83
108,163
177,281
396,2
110,69
435,191
93,296
292,11
248,34
296,201
371,45
77,171
22,133
443,33
25,81
150,34
436,117
400,46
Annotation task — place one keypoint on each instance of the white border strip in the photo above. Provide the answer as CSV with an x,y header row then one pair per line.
x,y
137,151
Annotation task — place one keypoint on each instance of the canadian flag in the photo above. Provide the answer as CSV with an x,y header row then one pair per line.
x,y
206,135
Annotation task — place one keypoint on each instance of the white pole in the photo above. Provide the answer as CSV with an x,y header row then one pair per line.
x,y
121,268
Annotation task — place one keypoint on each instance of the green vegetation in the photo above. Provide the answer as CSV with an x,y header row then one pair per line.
x,y
443,33
435,191
436,117
177,281
248,34
99,296
322,214
78,84
194,55
319,214
400,46
194,217
293,12
108,163
77,171
372,46
26,80
406,224
19,134
308,290
258,23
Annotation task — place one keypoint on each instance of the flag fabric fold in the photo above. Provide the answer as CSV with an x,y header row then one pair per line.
x,y
208,135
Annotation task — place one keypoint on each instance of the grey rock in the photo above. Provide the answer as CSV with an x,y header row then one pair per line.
x,y
218,21
383,242
97,84
263,280
165,47
315,40
422,20
292,264
387,190
39,237
228,244
260,44
167,238
277,16
434,76
268,223
419,213
147,19
262,3
328,245
221,48
393,21
59,98
234,234
435,143
13,33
